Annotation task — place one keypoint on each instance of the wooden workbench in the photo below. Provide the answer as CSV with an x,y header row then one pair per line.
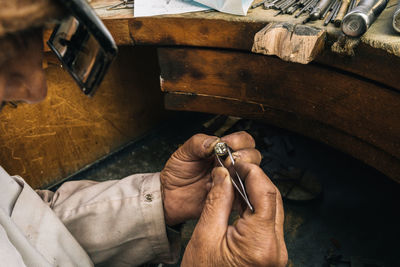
x,y
351,103
206,64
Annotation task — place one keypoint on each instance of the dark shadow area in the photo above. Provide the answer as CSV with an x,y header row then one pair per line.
x,y
355,220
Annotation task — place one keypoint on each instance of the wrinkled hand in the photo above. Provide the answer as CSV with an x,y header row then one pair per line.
x,y
256,239
186,178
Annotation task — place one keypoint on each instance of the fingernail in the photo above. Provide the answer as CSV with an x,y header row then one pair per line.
x,y
210,142
220,178
236,155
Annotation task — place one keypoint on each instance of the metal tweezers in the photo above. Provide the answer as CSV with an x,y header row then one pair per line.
x,y
124,4
221,149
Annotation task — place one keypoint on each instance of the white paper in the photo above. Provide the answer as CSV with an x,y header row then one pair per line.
x,y
145,8
236,7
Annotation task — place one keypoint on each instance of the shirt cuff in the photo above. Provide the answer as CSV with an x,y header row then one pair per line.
x,y
9,191
165,246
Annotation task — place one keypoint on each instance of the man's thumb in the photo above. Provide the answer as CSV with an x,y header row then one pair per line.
x,y
215,216
198,147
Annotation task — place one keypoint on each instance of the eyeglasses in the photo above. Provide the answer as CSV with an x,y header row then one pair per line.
x,y
83,45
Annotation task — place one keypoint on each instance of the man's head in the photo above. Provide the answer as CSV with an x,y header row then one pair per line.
x,y
21,46
81,42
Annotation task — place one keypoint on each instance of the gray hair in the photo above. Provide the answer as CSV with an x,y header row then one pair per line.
x,y
18,16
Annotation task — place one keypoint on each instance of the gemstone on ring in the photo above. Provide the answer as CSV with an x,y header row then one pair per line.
x,y
221,149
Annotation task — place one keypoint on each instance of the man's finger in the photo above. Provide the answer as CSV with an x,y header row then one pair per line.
x,y
215,216
279,220
261,191
239,140
199,146
250,155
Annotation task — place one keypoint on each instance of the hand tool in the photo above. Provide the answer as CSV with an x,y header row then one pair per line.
x,y
221,150
268,5
336,11
396,18
329,17
360,18
319,9
353,4
124,4
342,12
258,4
330,7
305,8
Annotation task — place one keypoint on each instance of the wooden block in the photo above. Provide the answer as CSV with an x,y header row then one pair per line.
x,y
335,101
49,141
290,42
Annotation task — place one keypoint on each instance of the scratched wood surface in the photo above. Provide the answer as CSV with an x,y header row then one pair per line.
x,y
47,142
368,62
218,30
349,113
379,48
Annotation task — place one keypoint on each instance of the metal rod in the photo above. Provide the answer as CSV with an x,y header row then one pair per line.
x,y
292,9
328,9
342,11
353,4
336,10
258,4
396,18
268,5
328,19
319,9
307,4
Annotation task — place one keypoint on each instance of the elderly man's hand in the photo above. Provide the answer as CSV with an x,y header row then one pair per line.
x,y
186,178
256,239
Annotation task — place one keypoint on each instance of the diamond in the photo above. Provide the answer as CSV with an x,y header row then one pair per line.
x,y
221,149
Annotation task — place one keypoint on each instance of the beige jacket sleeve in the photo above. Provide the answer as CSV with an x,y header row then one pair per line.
x,y
119,222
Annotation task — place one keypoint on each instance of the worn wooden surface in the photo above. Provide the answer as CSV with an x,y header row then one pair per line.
x,y
350,103
368,62
380,34
48,141
331,136
372,60
218,30
352,114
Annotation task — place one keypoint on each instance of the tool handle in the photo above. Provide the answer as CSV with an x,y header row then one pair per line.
x,y
342,12
328,18
336,10
371,8
330,7
358,20
307,4
396,18
319,9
